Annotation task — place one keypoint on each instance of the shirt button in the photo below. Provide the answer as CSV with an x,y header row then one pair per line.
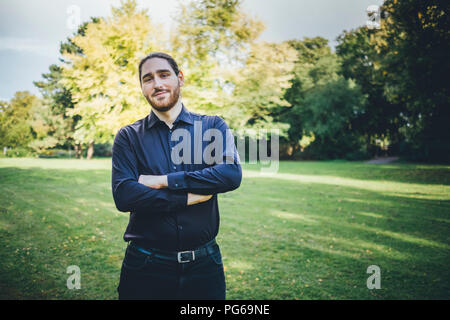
x,y
180,228
174,167
176,184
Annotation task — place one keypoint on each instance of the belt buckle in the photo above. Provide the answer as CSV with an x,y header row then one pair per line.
x,y
184,261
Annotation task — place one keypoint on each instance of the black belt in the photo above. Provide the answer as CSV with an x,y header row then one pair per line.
x,y
180,256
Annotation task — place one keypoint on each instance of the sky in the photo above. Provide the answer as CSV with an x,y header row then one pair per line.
x,y
31,30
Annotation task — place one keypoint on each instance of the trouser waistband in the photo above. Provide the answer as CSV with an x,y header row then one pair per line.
x,y
180,256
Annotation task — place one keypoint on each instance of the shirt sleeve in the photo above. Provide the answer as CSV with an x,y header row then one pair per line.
x,y
128,193
218,178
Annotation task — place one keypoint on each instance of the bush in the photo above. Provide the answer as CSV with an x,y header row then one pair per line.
x,y
19,152
103,150
56,153
356,155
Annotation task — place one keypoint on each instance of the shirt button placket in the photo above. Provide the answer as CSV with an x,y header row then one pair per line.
x,y
172,165
170,149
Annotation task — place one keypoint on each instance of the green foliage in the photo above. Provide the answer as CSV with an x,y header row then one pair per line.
x,y
329,111
18,152
324,104
59,100
227,71
259,88
103,150
359,51
402,67
56,153
309,51
29,124
401,98
417,67
211,30
15,124
103,79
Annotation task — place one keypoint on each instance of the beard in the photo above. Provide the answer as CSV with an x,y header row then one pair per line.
x,y
167,102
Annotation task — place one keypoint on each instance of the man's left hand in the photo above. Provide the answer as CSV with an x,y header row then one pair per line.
x,y
154,182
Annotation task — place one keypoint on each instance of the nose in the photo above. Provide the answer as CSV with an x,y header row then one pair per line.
x,y
158,82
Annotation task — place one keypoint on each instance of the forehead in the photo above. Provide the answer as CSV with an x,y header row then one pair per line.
x,y
154,64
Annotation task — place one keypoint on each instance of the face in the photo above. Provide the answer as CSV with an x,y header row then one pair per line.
x,y
160,84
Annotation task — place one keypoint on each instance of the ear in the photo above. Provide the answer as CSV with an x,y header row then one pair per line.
x,y
180,78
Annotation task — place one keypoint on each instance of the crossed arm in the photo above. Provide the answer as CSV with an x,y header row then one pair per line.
x,y
166,193
160,182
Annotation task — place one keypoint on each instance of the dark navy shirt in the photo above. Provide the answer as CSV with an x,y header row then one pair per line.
x,y
161,218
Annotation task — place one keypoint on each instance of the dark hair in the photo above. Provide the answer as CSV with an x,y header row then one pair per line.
x,y
161,55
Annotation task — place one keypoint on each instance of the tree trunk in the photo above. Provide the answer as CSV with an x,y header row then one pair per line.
x,y
90,151
77,151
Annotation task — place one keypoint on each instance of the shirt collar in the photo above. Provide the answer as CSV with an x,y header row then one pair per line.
x,y
184,116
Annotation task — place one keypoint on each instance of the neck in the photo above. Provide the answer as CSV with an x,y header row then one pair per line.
x,y
171,115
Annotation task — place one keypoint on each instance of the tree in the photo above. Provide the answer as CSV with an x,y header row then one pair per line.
x,y
16,130
330,111
361,60
208,42
415,59
58,101
4,105
228,71
305,76
325,106
103,79
260,85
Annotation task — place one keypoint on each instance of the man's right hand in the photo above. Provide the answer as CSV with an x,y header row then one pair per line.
x,y
193,198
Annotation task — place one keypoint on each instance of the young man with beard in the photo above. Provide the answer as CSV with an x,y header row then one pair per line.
x,y
174,214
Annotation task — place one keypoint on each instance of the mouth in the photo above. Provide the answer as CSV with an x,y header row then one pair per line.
x,y
160,93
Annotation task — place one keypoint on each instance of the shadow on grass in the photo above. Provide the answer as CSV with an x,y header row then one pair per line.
x,y
281,238
331,235
398,172
51,219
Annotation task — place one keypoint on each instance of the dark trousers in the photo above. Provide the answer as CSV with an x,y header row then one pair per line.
x,y
146,276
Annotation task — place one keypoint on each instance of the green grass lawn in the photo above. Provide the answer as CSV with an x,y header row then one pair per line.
x,y
308,232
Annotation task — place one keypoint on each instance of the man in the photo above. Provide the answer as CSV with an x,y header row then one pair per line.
x,y
174,215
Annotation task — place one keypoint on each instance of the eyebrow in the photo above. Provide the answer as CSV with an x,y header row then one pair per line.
x,y
157,71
